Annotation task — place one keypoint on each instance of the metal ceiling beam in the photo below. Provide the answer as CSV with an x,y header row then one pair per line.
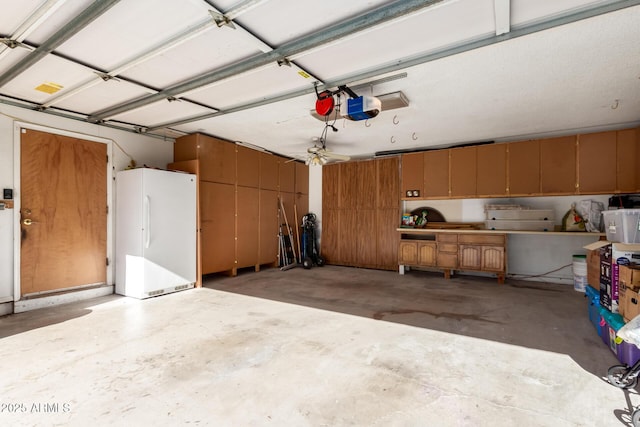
x,y
31,23
87,16
422,59
502,14
334,32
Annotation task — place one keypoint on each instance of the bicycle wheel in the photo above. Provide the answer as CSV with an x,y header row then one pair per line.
x,y
635,418
615,374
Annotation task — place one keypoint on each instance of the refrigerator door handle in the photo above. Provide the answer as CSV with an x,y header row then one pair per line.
x,y
147,206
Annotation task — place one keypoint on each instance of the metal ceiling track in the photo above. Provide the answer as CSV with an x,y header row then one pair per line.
x,y
334,32
74,26
424,58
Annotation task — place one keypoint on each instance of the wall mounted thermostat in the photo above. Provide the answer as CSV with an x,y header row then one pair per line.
x,y
7,193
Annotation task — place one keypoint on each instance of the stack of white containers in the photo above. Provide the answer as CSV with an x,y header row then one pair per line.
x,y
516,217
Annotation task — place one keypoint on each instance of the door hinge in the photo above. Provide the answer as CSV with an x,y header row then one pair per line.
x,y
107,261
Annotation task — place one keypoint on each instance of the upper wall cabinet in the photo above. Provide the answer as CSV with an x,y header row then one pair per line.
x,y
524,168
463,171
217,157
287,173
268,172
302,178
436,173
248,166
388,183
412,175
597,162
627,160
558,165
491,170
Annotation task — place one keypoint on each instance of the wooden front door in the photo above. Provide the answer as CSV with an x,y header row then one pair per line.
x,y
63,212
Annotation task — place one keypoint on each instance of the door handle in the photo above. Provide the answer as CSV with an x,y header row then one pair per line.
x,y
28,221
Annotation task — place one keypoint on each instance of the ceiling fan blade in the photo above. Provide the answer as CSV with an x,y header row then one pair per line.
x,y
336,156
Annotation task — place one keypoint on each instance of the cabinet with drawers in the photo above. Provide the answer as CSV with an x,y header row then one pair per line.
x,y
466,251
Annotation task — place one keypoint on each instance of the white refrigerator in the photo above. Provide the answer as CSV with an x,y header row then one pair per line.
x,y
155,232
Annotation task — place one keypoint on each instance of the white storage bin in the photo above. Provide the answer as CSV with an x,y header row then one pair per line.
x,y
510,224
521,214
622,225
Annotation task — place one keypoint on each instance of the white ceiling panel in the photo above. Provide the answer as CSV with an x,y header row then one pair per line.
x,y
213,49
162,112
12,17
251,86
129,28
523,11
55,22
278,21
103,95
450,24
10,58
50,69
582,75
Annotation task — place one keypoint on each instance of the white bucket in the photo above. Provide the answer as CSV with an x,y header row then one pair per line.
x,y
579,273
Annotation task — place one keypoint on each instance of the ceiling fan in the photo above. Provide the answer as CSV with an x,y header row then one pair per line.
x,y
319,155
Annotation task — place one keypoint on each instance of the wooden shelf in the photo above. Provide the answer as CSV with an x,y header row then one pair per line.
x,y
470,230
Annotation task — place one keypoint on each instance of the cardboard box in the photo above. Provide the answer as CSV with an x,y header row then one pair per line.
x,y
629,276
629,304
612,257
593,268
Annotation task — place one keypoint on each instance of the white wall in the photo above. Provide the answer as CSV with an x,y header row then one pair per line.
x,y
527,255
144,149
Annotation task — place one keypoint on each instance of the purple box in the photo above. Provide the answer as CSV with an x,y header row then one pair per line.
x,y
628,353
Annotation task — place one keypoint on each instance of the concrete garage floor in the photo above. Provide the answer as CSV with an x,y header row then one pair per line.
x,y
330,346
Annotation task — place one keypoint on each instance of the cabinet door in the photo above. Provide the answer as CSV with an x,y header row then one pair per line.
x,y
436,173
523,168
387,238
558,165
408,253
470,257
302,178
348,185
248,166
348,236
388,188
491,164
597,163
330,186
463,171
286,173
366,184
268,171
412,173
268,246
364,230
329,243
427,253
493,258
217,160
627,153
247,226
217,219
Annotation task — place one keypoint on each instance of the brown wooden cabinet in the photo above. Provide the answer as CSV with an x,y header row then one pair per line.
x,y
436,173
558,165
412,175
463,171
217,221
491,163
360,212
523,168
217,157
239,195
455,251
627,162
597,160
